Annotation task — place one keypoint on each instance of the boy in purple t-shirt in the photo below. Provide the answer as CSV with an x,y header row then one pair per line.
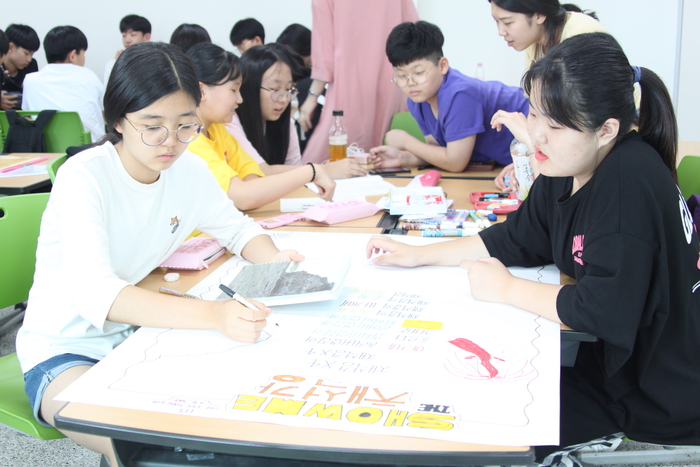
x,y
453,110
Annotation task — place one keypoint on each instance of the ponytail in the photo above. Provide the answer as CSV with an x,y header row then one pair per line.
x,y
587,79
577,9
657,120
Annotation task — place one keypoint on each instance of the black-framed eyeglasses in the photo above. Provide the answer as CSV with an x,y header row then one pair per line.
x,y
279,94
155,135
419,77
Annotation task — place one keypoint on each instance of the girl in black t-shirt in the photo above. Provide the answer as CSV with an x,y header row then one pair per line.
x,y
607,211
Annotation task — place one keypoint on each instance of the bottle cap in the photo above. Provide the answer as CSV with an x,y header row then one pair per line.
x,y
337,113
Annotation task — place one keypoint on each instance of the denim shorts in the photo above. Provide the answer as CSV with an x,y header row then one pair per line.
x,y
38,378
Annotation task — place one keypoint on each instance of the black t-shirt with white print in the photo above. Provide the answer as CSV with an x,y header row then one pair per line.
x,y
628,239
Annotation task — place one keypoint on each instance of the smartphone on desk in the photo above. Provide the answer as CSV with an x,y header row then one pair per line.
x,y
480,166
389,170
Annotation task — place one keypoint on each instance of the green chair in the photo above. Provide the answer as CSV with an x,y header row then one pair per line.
x,y
405,121
20,217
689,176
65,129
52,167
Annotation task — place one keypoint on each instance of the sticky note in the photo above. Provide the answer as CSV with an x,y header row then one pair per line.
x,y
420,324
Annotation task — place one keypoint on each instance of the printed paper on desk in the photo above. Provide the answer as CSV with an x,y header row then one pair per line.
x,y
25,171
423,200
342,211
195,253
368,185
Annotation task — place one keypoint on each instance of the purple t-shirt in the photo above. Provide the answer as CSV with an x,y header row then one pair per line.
x,y
465,108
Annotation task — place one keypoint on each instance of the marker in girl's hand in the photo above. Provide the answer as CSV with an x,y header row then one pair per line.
x,y
238,298
506,180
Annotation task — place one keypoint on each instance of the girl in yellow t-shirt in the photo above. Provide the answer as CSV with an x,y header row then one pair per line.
x,y
220,77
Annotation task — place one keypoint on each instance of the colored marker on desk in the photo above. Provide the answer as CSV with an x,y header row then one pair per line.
x,y
450,233
24,164
440,226
238,298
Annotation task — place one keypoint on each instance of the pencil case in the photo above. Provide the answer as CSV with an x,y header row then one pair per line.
x,y
341,211
195,254
498,202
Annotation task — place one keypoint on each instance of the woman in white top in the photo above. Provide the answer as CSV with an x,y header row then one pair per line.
x,y
116,212
263,125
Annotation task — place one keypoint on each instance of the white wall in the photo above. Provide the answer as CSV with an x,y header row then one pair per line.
x,y
99,20
647,29
689,91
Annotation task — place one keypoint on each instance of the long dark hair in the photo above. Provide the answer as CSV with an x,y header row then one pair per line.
x,y
270,139
587,79
142,74
552,9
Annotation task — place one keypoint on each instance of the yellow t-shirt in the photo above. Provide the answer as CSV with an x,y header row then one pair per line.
x,y
224,156
577,23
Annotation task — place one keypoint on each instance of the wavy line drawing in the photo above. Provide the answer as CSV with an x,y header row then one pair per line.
x,y
173,357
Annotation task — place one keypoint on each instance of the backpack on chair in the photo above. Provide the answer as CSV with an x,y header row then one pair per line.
x,y
25,135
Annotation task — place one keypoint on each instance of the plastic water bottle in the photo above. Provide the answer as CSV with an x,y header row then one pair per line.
x,y
523,169
338,137
479,73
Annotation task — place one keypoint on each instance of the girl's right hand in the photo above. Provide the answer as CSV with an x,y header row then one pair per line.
x,y
392,252
324,182
240,323
516,122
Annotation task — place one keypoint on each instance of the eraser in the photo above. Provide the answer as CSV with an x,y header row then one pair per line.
x,y
430,178
171,277
492,217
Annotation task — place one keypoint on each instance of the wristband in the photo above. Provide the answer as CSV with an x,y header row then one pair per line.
x,y
312,93
314,169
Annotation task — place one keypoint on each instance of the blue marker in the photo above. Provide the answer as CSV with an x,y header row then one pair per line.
x,y
450,233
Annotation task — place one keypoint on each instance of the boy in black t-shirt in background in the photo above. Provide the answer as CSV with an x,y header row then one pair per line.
x,y
17,63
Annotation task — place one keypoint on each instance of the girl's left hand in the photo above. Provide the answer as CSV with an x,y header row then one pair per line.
x,y
324,182
288,255
489,279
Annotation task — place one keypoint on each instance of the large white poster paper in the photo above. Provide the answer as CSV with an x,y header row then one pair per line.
x,y
404,352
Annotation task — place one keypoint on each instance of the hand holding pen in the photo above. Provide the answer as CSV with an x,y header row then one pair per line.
x,y
249,317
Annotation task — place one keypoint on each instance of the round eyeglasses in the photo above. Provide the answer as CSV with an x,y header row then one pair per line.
x,y
418,77
280,94
155,135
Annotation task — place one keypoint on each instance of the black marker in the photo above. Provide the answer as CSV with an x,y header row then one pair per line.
x,y
238,298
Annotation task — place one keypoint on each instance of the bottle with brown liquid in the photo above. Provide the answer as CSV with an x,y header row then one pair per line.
x,y
338,137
